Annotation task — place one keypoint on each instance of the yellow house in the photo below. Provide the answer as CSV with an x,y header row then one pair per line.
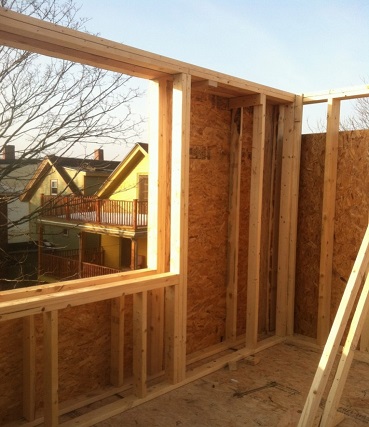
x,y
128,182
91,222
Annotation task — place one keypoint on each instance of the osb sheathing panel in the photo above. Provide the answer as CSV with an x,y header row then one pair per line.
x,y
308,233
208,220
10,370
351,219
352,208
84,355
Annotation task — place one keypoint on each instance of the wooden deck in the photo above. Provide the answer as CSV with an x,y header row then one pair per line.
x,y
130,214
64,267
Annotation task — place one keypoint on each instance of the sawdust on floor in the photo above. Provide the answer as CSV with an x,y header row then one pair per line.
x,y
270,393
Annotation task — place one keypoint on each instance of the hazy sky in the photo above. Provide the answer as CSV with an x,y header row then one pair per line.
x,y
294,45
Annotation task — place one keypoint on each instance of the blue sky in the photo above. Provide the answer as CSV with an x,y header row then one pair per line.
x,y
295,45
298,46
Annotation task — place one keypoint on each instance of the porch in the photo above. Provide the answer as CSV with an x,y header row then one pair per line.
x,y
67,265
131,214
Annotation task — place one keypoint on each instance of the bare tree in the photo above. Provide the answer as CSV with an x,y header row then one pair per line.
x,y
49,106
360,117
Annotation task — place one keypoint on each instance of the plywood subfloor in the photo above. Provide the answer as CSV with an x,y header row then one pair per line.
x,y
271,393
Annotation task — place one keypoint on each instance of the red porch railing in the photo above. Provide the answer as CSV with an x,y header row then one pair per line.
x,y
63,268
130,214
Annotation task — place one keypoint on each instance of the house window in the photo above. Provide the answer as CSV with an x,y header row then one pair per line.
x,y
143,187
65,232
54,187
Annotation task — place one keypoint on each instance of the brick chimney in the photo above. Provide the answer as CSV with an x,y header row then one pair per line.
x,y
99,154
8,152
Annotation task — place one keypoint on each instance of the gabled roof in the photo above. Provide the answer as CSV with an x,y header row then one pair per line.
x,y
60,164
126,166
15,174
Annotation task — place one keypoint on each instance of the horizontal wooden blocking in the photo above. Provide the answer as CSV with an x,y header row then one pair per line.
x,y
245,101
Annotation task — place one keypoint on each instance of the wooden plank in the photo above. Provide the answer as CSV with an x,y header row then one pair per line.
x,y
49,39
334,339
287,236
296,158
159,209
27,306
172,344
117,342
70,285
140,344
328,213
276,217
284,222
155,353
348,352
204,84
256,197
179,207
244,101
50,365
338,94
364,339
29,368
233,222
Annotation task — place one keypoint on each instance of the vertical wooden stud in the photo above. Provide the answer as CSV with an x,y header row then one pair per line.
x,y
140,344
256,197
288,218
159,226
179,207
29,368
172,349
117,342
295,185
233,222
51,404
327,235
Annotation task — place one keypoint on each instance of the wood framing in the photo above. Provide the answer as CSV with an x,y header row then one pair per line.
x,y
233,221
358,321
159,227
179,210
256,197
288,217
117,341
328,214
51,380
154,307
49,39
29,368
334,339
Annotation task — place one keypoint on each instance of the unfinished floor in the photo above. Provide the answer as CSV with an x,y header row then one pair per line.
x,y
270,393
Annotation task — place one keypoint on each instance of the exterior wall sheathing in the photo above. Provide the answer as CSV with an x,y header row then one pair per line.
x,y
351,219
84,332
